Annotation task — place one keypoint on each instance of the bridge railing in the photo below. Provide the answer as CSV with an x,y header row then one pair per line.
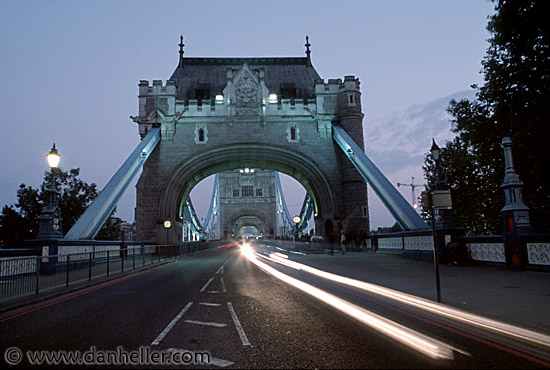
x,y
33,274
534,249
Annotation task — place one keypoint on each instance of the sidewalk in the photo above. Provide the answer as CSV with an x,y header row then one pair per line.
x,y
515,297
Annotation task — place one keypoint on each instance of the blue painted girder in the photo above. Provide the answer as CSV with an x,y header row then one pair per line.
x,y
91,221
401,210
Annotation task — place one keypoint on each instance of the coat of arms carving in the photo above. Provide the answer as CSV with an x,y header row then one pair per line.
x,y
246,90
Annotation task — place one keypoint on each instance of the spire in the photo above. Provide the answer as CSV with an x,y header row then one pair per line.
x,y
308,52
181,45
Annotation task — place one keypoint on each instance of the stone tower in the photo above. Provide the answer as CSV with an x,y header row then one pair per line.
x,y
225,114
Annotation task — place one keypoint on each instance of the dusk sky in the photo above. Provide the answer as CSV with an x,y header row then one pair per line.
x,y
70,72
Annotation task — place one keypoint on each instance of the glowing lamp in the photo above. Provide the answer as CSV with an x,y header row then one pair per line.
x,y
53,157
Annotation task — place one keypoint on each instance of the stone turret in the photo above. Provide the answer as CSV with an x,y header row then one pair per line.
x,y
354,188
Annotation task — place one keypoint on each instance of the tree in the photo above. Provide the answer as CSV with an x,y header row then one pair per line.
x,y
16,226
513,101
75,195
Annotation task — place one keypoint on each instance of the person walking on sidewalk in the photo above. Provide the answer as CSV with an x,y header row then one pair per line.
x,y
343,242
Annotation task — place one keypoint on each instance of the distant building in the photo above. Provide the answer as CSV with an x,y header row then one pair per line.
x,y
248,203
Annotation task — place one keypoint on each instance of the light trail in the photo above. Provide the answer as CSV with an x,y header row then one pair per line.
x,y
230,244
440,309
428,346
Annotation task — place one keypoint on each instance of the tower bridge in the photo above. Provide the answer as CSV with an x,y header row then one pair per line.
x,y
223,114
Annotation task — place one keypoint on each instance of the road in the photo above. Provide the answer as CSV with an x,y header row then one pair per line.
x,y
234,307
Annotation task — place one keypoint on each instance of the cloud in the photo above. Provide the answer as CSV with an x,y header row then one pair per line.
x,y
397,144
403,138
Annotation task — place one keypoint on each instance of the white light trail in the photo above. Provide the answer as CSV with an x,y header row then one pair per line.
x,y
420,342
427,305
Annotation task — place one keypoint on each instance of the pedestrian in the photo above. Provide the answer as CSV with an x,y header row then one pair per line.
x,y
343,242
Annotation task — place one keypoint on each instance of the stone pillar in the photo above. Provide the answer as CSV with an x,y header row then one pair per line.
x,y
515,214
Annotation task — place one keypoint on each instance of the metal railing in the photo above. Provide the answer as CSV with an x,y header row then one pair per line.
x,y
32,274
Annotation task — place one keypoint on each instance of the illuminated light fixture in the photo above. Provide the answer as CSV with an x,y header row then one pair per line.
x,y
219,98
246,170
53,157
273,98
435,150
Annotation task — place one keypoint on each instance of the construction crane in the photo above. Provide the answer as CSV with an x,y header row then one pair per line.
x,y
413,186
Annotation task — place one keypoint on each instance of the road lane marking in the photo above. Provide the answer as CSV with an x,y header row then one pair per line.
x,y
223,285
216,324
171,325
210,304
213,291
238,325
213,360
220,270
207,284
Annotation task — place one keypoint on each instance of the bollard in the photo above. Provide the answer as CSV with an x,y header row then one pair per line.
x,y
37,274
68,261
90,268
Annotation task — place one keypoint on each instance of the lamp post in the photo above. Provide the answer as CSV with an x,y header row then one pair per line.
x,y
49,222
167,226
435,155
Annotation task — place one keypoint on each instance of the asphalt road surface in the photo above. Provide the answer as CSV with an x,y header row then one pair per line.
x,y
229,309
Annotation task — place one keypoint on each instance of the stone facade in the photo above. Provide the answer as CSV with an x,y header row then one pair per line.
x,y
220,114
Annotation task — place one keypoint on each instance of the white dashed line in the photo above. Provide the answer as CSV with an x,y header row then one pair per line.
x,y
207,284
171,325
223,285
210,304
216,324
238,325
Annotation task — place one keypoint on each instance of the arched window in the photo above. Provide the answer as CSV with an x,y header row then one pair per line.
x,y
201,134
293,133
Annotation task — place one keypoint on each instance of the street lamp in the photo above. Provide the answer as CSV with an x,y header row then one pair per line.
x,y
435,155
49,222
53,157
435,150
167,226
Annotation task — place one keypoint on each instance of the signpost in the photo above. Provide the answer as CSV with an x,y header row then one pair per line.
x,y
432,200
